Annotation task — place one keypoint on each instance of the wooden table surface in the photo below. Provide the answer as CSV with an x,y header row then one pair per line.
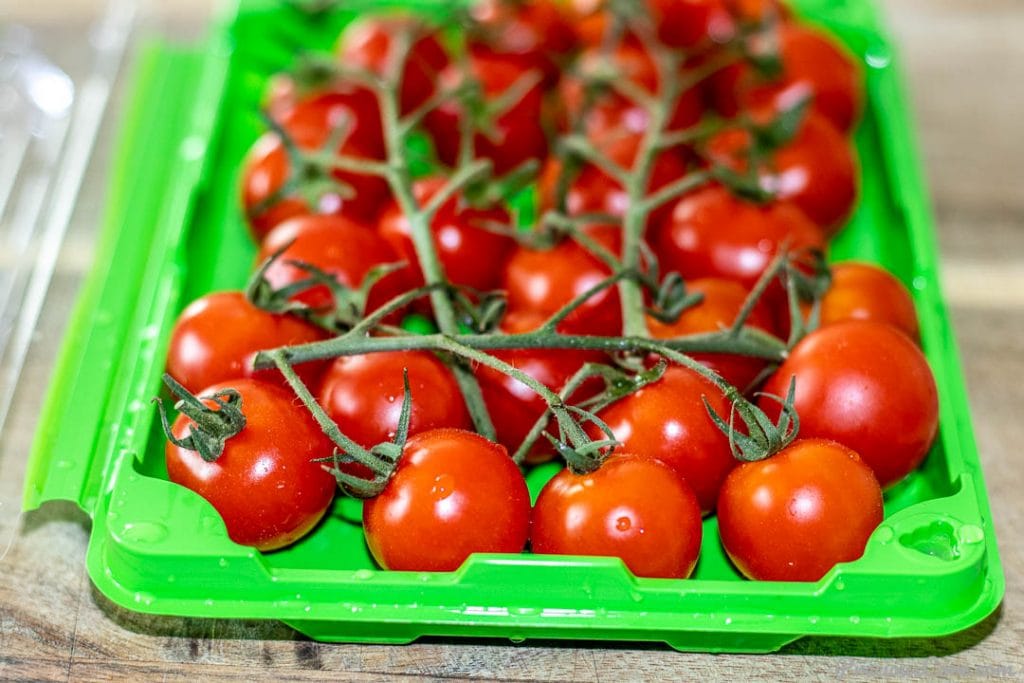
x,y
965,63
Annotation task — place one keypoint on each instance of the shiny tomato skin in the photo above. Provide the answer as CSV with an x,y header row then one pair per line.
x,y
217,336
816,170
536,34
310,123
866,385
518,132
610,113
471,253
634,508
814,66
513,406
723,300
795,515
691,23
338,246
713,233
363,395
667,421
863,291
454,493
265,485
370,43
541,282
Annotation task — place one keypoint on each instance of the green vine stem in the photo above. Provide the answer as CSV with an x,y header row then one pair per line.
x,y
211,428
400,180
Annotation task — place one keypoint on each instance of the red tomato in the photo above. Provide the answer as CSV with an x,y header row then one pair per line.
x,y
691,23
722,302
217,336
816,170
513,406
364,394
667,421
536,34
634,508
862,291
471,253
310,124
517,134
594,191
795,515
713,233
543,281
454,493
866,385
757,11
611,112
338,246
814,65
370,42
265,484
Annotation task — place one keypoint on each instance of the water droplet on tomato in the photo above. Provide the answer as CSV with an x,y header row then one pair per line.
x,y
623,523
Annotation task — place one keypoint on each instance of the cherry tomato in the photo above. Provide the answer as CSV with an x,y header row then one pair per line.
x,y
713,233
370,42
513,406
633,508
310,124
471,251
795,515
535,34
543,281
667,421
866,385
816,170
454,493
265,484
594,191
364,394
813,65
691,23
337,246
217,336
516,134
611,112
862,291
722,302
757,11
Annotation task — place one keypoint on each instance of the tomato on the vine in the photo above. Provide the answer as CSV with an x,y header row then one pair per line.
x,y
371,42
813,65
866,385
515,407
265,485
714,233
816,170
542,281
690,24
798,513
364,395
667,421
341,248
634,508
454,493
863,291
311,123
535,34
469,244
513,136
721,304
217,336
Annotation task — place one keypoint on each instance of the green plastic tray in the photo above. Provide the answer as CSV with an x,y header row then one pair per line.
x,y
173,231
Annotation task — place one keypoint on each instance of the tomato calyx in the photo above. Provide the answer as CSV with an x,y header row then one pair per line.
x,y
211,428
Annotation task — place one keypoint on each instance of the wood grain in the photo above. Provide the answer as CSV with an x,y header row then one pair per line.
x,y
965,64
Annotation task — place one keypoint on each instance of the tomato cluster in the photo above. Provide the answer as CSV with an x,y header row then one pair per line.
x,y
683,185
